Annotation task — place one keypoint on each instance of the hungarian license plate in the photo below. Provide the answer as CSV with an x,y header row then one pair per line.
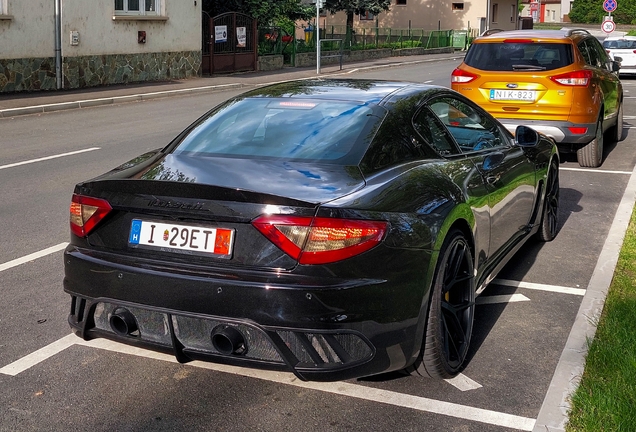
x,y
184,238
513,95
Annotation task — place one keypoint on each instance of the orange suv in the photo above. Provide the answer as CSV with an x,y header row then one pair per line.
x,y
560,82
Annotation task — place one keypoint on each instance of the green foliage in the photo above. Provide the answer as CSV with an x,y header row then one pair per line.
x,y
267,12
606,396
592,12
358,6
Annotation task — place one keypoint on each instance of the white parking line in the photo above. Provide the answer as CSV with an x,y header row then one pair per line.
x,y
463,383
48,158
339,388
481,300
540,287
595,171
25,259
38,356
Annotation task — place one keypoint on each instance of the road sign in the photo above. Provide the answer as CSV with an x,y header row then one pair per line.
x,y
610,5
608,26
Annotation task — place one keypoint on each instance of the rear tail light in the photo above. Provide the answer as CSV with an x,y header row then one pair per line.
x,y
577,130
86,212
518,41
579,78
461,76
320,240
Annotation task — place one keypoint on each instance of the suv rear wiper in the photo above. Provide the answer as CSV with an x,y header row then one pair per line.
x,y
528,67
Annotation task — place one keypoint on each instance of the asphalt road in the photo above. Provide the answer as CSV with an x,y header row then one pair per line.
x,y
52,381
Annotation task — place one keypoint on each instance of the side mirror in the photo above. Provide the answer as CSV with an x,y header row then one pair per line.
x,y
526,136
616,64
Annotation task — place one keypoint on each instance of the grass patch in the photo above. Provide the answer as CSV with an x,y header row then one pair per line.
x,y
606,397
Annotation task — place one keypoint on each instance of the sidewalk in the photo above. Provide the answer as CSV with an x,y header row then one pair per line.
x,y
15,104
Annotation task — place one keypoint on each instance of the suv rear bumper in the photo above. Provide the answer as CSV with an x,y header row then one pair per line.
x,y
557,130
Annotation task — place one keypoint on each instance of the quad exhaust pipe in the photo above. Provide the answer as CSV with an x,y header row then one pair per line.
x,y
123,322
228,340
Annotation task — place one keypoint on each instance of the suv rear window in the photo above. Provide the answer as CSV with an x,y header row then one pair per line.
x,y
515,56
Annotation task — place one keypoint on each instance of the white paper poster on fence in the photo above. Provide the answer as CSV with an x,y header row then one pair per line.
x,y
241,36
220,34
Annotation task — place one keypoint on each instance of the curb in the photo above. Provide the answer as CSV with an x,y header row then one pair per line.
x,y
60,106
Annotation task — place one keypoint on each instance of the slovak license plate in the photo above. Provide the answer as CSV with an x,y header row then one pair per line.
x,y
520,95
181,238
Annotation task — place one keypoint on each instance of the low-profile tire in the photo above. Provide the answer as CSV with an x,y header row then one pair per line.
x,y
617,129
451,311
591,155
550,216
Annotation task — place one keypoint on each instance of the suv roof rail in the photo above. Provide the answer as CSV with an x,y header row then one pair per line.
x,y
490,31
571,31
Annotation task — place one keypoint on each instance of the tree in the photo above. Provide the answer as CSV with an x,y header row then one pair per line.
x,y
267,12
352,7
591,12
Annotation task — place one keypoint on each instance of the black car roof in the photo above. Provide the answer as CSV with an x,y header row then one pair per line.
x,y
364,91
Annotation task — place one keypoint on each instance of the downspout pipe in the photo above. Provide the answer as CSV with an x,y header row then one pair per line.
x,y
488,15
58,44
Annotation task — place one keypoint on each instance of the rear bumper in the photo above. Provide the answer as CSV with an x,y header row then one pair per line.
x,y
336,331
559,131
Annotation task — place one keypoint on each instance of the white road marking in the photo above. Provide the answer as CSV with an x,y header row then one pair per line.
x,y
340,388
595,171
540,287
48,158
501,299
25,259
39,356
463,383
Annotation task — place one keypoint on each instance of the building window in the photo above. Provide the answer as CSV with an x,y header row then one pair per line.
x,y
458,6
3,7
495,11
137,7
400,2
367,16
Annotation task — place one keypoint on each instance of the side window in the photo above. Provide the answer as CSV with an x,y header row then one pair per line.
x,y
583,50
471,130
434,132
600,53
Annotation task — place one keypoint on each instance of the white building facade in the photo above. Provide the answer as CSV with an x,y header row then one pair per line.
x,y
55,44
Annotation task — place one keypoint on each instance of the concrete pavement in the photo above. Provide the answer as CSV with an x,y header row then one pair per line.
x,y
553,413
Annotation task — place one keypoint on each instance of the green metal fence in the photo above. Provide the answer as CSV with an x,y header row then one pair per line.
x,y
274,40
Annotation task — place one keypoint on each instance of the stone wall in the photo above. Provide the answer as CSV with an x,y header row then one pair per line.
x,y
88,71
270,62
27,74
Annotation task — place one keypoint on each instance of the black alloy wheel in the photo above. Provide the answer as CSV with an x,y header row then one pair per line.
x,y
550,218
451,311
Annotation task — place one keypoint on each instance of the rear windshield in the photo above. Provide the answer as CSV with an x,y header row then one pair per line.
x,y
318,130
515,56
619,44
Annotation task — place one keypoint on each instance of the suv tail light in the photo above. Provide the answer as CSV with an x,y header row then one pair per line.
x,y
579,78
86,212
316,240
461,76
